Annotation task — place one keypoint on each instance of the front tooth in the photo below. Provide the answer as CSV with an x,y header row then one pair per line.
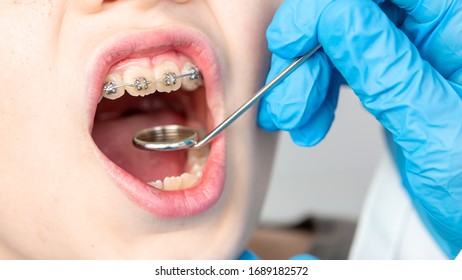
x,y
113,79
190,83
160,72
141,78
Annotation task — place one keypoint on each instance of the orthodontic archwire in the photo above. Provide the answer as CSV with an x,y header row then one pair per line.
x,y
141,83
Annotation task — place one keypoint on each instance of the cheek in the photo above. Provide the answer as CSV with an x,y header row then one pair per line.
x,y
244,24
28,34
246,38
27,44
28,106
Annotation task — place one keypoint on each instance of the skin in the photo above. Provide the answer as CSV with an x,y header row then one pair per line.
x,y
56,199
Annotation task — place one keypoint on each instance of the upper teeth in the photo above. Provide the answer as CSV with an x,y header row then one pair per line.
x,y
140,80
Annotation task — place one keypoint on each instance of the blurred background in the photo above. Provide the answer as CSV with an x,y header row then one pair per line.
x,y
316,194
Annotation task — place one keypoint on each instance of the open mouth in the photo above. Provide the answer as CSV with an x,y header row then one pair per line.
x,y
159,82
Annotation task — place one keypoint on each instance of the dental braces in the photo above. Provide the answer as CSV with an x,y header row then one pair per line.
x,y
141,83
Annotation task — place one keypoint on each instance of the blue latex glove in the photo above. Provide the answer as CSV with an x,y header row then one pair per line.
x,y
403,60
248,255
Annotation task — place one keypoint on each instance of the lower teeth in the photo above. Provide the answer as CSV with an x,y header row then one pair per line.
x,y
195,165
185,181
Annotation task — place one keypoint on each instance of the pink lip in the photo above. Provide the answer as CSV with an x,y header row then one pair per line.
x,y
196,46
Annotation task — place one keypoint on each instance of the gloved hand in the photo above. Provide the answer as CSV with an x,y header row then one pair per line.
x,y
409,78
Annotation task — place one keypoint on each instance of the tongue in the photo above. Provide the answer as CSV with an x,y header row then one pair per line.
x,y
114,139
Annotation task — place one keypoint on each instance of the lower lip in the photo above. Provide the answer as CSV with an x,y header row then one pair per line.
x,y
181,203
205,194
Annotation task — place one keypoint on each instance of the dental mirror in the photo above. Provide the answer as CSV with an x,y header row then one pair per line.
x,y
178,137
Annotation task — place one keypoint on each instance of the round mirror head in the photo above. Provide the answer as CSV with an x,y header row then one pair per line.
x,y
165,138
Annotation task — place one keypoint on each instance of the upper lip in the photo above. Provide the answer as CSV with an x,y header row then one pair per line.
x,y
195,45
188,41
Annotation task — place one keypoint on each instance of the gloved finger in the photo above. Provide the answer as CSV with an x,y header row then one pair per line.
x,y
265,120
408,96
292,31
298,97
435,28
316,128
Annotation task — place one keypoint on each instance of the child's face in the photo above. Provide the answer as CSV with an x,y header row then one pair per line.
x,y
72,185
